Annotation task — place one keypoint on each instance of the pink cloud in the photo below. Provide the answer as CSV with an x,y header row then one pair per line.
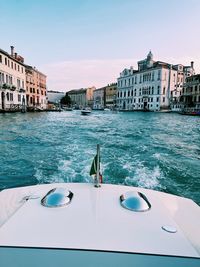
x,y
67,75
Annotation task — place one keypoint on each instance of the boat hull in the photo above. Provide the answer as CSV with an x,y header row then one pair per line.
x,y
51,257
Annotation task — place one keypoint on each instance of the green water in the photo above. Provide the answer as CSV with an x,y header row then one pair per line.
x,y
151,150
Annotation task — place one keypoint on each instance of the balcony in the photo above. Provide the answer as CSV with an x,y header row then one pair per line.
x,y
13,88
21,90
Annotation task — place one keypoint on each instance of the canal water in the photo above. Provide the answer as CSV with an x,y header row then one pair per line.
x,y
152,150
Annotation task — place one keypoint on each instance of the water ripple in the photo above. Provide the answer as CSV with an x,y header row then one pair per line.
x,y
151,150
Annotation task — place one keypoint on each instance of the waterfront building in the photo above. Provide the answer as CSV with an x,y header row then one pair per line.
x,y
54,96
154,86
190,98
110,95
175,93
12,81
36,90
99,98
82,98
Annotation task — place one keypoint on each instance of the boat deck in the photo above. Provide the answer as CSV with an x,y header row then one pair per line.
x,y
95,220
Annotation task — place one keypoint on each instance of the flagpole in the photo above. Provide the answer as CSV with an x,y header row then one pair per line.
x,y
97,184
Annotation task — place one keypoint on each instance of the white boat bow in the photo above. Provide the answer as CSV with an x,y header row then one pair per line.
x,y
94,229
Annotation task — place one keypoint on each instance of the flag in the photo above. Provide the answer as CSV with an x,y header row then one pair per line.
x,y
93,169
100,178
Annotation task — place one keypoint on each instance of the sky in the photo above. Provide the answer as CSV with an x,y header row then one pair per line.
x,y
83,43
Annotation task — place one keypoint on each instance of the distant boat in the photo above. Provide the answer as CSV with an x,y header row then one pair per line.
x,y
107,109
191,112
86,111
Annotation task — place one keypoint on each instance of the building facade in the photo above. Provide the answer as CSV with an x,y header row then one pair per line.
x,y
12,81
190,98
153,86
110,95
82,98
99,98
54,96
175,95
36,90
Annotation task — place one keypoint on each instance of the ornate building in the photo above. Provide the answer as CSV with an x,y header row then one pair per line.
x,y
105,97
99,98
154,86
190,98
36,91
111,94
82,97
12,81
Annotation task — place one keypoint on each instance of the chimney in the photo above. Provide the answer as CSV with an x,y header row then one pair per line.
x,y
15,55
192,64
12,50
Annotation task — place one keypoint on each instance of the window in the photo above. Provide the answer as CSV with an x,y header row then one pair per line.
x,y
12,65
19,98
2,78
153,76
5,61
163,99
11,96
158,92
159,73
163,90
7,96
10,79
157,99
18,83
0,58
